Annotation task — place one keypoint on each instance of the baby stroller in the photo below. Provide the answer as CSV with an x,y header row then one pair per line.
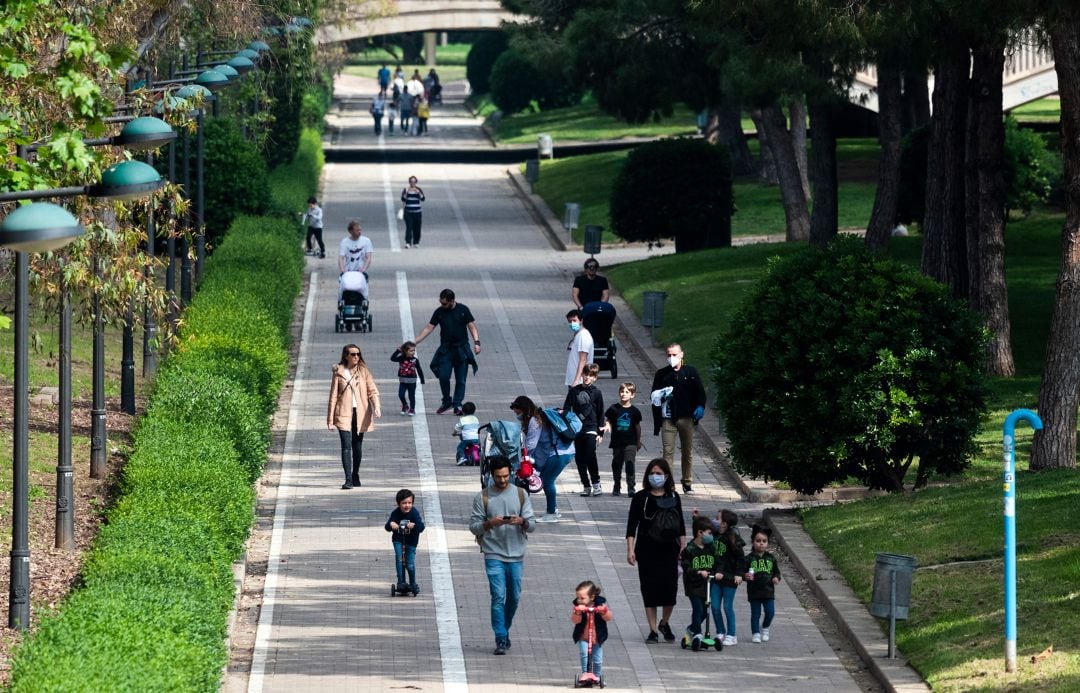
x,y
499,438
353,304
599,319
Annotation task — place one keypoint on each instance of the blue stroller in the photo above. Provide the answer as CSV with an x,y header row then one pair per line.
x,y
502,438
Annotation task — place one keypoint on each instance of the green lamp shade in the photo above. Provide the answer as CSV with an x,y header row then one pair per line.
x,y
227,70
260,46
145,133
192,91
293,28
241,64
249,53
171,104
212,79
39,227
301,21
127,180
273,31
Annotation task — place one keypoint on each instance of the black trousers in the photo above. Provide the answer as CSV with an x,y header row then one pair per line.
x,y
352,452
585,457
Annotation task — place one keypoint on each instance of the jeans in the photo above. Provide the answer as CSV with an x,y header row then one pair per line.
x,y
410,562
728,594
412,227
352,452
405,115
504,581
551,471
597,656
697,610
316,233
755,613
408,389
620,457
585,456
378,123
461,372
463,445
684,429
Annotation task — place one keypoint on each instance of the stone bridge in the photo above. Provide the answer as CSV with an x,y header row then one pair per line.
x,y
381,17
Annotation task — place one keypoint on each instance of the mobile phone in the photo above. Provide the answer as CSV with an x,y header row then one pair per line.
x,y
507,518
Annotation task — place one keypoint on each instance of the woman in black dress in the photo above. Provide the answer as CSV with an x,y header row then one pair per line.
x,y
656,553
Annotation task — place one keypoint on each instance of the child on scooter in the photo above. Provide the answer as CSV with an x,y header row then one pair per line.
x,y
586,597
762,577
700,563
406,525
468,429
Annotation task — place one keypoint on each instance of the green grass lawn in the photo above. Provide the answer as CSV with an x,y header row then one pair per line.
x,y
955,635
586,122
1046,110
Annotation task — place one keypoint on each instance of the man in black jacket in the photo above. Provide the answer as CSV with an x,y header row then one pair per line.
x,y
678,403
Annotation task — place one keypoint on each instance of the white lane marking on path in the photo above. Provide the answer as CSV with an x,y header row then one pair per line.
x,y
454,676
503,321
462,224
388,199
640,656
281,505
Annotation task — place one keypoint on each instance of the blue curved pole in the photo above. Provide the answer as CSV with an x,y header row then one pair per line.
x,y
1010,527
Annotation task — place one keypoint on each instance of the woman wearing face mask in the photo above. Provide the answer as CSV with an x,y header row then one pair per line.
x,y
549,452
655,536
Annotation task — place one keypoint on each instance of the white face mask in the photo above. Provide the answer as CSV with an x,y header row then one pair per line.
x,y
674,361
657,480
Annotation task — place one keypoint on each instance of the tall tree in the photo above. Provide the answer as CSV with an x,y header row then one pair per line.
x,y
1059,395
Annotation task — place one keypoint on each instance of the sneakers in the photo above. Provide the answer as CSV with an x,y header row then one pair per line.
x,y
686,488
665,629
695,644
404,409
586,492
596,489
652,639
631,491
461,462
458,412
322,256
615,490
412,412
506,643
756,638
346,487
443,409
730,640
408,245
548,517
500,648
764,635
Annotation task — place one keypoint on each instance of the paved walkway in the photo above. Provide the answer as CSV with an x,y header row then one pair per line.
x,y
328,622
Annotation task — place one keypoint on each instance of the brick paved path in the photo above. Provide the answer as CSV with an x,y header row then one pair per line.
x,y
328,621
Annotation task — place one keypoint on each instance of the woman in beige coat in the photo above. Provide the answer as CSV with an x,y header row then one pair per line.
x,y
354,403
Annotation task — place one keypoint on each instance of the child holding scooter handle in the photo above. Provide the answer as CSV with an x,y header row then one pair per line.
x,y
590,616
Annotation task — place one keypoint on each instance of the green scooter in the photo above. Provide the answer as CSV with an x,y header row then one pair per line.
x,y
704,642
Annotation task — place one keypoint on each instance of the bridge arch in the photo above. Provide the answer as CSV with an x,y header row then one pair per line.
x,y
363,19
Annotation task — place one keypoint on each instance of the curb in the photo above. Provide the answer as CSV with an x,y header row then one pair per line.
x,y
551,226
847,610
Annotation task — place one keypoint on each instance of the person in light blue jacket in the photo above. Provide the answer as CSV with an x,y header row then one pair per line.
x,y
550,453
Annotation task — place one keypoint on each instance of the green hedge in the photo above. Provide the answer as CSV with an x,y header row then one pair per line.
x,y
151,612
292,184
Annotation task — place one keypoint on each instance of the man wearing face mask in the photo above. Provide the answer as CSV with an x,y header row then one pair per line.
x,y
579,351
678,403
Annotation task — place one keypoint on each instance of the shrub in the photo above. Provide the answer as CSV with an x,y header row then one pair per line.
x,y
482,56
840,364
1030,169
236,178
513,82
292,184
675,188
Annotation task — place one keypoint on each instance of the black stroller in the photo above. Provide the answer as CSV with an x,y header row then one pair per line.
x,y
599,319
352,310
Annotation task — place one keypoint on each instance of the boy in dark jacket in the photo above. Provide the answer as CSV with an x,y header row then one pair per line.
x,y
406,525
587,402
702,568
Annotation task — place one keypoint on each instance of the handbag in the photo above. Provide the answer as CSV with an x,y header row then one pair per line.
x,y
401,214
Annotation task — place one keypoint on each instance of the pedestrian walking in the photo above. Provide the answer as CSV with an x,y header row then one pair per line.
x,y
501,520
622,425
579,350
590,286
378,107
453,357
762,577
355,250
412,196
353,408
409,371
550,453
655,536
587,402
678,403
312,218
423,113
384,78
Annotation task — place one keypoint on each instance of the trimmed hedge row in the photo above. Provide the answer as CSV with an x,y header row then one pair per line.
x,y
292,184
152,610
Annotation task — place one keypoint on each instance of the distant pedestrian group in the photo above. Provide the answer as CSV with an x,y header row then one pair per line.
x,y
407,102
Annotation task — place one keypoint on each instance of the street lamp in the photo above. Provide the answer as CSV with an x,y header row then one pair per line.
x,y
260,46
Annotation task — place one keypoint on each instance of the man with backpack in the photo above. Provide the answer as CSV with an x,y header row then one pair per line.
x,y
678,403
501,520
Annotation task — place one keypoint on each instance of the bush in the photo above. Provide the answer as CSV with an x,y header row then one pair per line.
x,y
236,178
841,364
513,82
675,188
292,184
1030,169
482,56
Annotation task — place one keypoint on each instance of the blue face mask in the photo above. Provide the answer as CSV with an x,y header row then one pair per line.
x,y
574,326
707,539
657,480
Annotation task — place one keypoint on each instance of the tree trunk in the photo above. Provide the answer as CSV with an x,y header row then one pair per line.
x,y
791,193
824,218
916,99
985,213
944,252
767,169
1055,444
798,140
725,126
887,197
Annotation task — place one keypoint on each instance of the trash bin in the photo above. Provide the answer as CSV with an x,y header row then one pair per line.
x,y
532,170
544,147
571,215
652,309
592,238
885,565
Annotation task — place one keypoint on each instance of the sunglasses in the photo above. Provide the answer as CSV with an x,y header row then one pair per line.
x,y
593,267
354,353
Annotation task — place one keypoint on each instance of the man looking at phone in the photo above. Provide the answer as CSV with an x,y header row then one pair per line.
x,y
502,519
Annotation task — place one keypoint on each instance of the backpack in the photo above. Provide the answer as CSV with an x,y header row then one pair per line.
x,y
521,505
565,424
665,521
